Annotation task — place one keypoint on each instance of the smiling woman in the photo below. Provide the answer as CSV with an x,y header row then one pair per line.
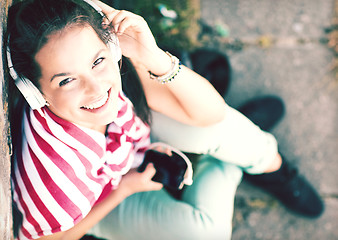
x,y
80,67
78,148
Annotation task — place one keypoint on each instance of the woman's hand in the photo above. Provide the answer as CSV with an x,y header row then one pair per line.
x,y
136,40
135,181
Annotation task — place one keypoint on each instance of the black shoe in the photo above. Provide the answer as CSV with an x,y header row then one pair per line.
x,y
264,111
91,237
291,189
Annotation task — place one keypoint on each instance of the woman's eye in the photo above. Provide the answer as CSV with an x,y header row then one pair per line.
x,y
65,81
98,61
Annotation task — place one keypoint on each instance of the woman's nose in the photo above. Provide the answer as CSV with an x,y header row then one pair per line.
x,y
92,85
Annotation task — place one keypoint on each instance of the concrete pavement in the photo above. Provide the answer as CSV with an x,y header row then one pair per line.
x,y
280,49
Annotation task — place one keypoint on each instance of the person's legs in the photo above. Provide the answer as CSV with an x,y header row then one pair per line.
x,y
235,140
205,211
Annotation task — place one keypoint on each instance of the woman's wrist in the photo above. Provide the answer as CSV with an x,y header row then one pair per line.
x,y
124,191
158,62
161,63
171,74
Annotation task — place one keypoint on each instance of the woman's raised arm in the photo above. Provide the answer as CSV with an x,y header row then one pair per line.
x,y
189,98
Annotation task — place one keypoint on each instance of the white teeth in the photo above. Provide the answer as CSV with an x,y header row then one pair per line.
x,y
99,103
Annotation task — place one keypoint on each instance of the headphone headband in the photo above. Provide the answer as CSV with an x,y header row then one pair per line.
x,y
95,6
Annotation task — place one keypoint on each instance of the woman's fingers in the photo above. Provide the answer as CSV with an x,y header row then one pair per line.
x,y
136,39
150,172
117,17
122,20
106,9
107,21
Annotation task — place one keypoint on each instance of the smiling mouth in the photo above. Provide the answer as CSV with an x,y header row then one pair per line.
x,y
97,104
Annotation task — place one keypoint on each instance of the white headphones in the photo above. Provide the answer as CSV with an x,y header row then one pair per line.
x,y
30,92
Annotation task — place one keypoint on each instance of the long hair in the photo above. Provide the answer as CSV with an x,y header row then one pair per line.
x,y
132,87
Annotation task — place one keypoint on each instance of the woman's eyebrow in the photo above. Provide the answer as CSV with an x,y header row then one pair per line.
x,y
59,75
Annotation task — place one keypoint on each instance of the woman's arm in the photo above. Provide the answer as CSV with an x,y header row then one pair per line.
x,y
97,213
131,183
190,98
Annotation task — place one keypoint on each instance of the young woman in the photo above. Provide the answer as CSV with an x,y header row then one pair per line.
x,y
74,167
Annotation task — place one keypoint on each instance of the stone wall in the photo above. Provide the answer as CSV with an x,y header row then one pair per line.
x,y
5,192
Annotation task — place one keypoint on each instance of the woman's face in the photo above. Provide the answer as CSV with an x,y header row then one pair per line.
x,y
80,77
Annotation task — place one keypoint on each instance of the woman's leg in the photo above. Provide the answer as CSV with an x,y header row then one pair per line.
x,y
205,211
235,140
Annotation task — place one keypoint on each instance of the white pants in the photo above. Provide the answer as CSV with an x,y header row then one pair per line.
x,y
234,140
206,208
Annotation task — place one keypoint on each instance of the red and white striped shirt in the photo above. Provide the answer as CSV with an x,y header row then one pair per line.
x,y
63,169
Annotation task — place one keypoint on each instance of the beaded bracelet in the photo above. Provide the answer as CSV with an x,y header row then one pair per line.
x,y
171,74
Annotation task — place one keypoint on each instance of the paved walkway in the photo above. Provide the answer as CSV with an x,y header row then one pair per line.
x,y
280,50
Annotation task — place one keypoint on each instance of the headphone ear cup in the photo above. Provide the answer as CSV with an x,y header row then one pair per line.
x,y
30,92
117,53
115,47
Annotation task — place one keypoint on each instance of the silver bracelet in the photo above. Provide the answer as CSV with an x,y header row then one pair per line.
x,y
171,74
